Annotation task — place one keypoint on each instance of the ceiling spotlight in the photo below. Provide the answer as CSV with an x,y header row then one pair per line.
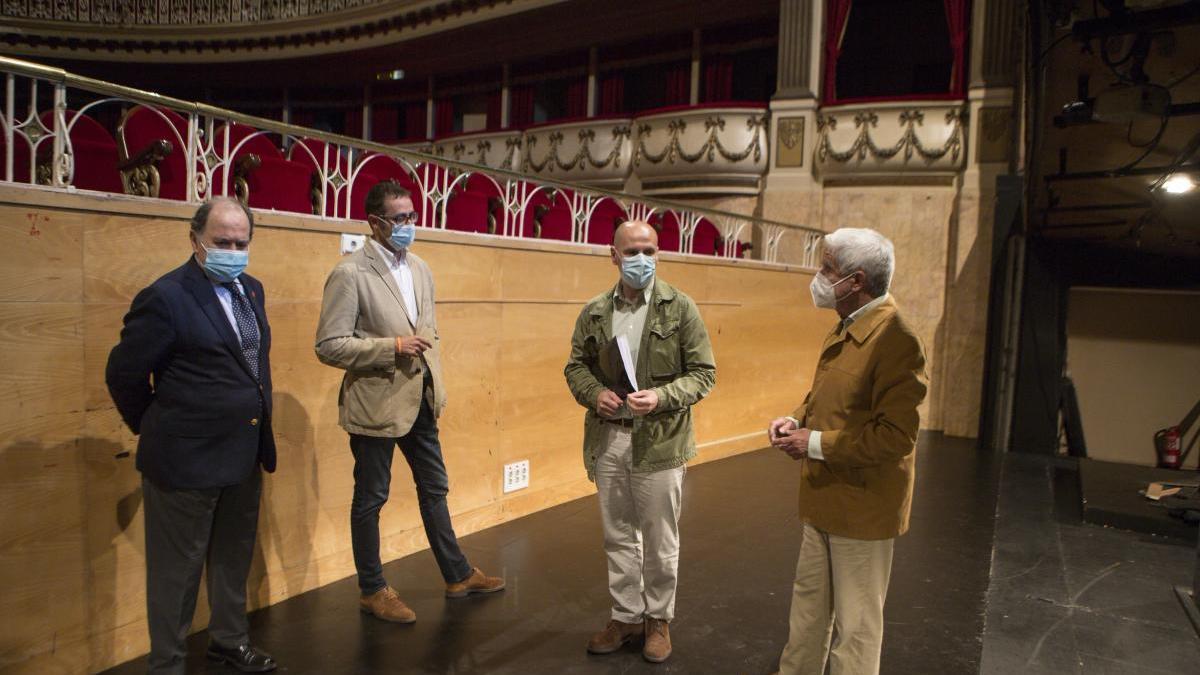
x,y
1178,184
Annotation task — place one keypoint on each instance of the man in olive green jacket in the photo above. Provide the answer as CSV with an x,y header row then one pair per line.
x,y
638,432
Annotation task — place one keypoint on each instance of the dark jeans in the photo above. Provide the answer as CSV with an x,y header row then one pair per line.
x,y
185,530
372,479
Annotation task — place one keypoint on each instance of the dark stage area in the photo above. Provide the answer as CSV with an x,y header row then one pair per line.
x,y
740,539
1074,597
996,539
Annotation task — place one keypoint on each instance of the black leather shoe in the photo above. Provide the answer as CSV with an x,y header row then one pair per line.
x,y
245,658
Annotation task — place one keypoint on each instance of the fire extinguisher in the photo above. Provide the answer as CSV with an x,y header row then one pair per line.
x,y
1168,444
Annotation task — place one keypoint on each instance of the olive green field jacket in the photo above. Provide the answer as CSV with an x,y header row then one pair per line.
x,y
675,360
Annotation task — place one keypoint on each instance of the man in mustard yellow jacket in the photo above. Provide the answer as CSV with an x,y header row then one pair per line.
x,y
855,437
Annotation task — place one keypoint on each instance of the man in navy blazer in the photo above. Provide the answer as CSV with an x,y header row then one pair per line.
x,y
192,376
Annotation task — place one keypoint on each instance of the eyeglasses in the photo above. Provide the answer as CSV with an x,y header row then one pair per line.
x,y
409,218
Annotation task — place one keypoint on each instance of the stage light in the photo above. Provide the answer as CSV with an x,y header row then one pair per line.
x,y
390,75
1178,184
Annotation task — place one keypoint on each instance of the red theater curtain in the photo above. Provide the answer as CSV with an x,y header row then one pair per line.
x,y
957,14
718,79
837,14
612,95
385,124
520,106
493,111
679,85
414,120
443,117
577,99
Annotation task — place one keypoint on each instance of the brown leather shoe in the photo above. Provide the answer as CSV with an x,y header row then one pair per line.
x,y
385,604
658,641
614,636
478,582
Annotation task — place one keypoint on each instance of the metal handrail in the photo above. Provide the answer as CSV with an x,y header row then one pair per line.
x,y
729,222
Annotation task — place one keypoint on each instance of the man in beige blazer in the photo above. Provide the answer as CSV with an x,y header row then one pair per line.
x,y
855,436
378,324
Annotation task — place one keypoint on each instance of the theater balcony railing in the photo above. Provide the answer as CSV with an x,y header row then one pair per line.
x,y
164,148
493,149
712,148
593,151
889,139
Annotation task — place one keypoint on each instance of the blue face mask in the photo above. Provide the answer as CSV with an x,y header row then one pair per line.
x,y
402,236
225,265
637,271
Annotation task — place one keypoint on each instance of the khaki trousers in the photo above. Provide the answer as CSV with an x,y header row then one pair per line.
x,y
640,515
837,605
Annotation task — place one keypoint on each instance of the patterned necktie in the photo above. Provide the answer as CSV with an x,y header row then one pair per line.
x,y
247,326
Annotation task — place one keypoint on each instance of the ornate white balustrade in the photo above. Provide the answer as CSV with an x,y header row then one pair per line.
x,y
493,149
592,152
545,183
702,150
890,139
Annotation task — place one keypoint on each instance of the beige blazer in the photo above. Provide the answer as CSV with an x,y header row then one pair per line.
x,y
362,313
870,380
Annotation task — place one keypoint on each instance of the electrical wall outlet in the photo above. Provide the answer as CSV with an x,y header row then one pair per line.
x,y
352,242
516,476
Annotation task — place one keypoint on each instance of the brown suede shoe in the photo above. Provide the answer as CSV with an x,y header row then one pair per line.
x,y
614,635
658,641
385,604
478,582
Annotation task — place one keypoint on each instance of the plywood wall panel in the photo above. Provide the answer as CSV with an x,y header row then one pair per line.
x,y
505,318
40,255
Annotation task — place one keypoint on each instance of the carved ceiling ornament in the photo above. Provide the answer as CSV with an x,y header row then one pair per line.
x,y
168,29
127,13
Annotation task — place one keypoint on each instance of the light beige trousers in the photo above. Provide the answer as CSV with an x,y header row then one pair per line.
x,y
640,515
837,605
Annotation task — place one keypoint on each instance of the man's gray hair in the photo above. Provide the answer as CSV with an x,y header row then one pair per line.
x,y
859,248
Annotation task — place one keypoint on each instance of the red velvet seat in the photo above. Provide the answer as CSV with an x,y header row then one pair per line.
x,y
605,219
706,239
310,152
668,232
470,207
143,127
553,215
373,169
276,183
94,149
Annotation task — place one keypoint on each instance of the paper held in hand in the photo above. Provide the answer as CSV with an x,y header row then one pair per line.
x,y
627,360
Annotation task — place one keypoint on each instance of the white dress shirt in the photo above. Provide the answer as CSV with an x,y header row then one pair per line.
x,y
227,302
629,319
814,437
402,273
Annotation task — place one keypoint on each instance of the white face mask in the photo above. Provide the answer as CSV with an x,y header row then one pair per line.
x,y
822,291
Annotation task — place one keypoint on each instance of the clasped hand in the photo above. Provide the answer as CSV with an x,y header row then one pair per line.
x,y
639,402
783,434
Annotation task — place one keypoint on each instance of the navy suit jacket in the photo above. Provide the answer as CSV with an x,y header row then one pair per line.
x,y
179,379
